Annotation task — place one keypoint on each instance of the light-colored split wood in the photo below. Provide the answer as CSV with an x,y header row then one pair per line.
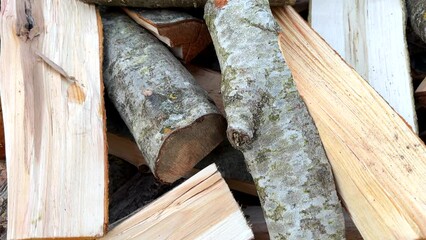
x,y
370,36
200,208
378,161
56,151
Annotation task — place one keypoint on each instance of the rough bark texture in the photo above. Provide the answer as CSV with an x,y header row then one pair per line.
x,y
269,122
417,13
2,141
168,3
3,200
170,117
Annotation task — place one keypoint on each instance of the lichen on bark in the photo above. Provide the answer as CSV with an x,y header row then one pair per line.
x,y
170,117
270,124
417,13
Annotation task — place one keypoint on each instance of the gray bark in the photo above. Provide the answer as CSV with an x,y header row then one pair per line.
x,y
270,124
3,200
417,12
169,3
170,117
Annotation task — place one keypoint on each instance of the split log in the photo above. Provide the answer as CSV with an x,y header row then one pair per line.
x,y
269,123
52,99
370,36
200,208
186,35
417,13
170,117
170,4
378,161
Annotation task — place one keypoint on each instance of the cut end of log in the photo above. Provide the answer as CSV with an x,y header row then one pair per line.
x,y
238,139
185,147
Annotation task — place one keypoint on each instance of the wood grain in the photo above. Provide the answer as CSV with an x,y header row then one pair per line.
x,y
56,150
378,161
370,36
200,208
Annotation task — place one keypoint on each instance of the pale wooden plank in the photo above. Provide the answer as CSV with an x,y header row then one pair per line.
x,y
200,208
370,36
378,161
52,98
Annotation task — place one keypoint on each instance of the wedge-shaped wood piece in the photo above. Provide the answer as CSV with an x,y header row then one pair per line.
x,y
186,35
200,208
52,98
378,161
370,36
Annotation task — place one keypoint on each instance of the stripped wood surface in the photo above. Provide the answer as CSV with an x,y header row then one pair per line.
x,y
52,98
378,161
370,36
200,208
186,35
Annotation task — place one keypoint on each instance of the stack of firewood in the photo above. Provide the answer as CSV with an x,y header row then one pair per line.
x,y
221,119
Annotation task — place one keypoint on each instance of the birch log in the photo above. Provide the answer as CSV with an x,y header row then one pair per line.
x,y
417,13
170,4
269,122
170,117
52,102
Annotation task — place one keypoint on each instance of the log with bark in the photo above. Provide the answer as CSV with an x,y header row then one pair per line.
x,y
200,208
377,160
374,44
52,100
186,35
417,13
171,4
269,123
170,117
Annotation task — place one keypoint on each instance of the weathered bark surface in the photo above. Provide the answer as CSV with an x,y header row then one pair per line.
x,y
417,12
186,35
170,4
269,122
3,200
170,117
2,141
